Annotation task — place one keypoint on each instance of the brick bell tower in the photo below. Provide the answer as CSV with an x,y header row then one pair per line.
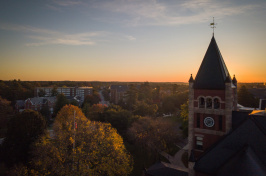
x,y
212,98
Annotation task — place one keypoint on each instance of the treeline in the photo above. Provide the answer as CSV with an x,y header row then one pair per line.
x,y
17,90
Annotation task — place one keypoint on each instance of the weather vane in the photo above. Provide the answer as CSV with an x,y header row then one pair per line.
x,y
213,26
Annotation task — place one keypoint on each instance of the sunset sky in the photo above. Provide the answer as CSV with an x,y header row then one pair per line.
x,y
129,40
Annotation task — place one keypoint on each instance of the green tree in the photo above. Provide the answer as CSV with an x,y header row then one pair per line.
x,y
41,93
145,92
143,109
94,112
54,92
119,118
184,118
131,97
246,99
153,134
106,94
175,86
172,104
22,131
92,99
46,113
91,148
61,101
6,113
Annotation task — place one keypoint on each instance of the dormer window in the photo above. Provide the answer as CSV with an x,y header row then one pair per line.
x,y
201,102
216,103
209,103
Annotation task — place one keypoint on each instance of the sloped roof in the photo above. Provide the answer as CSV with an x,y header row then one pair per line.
x,y
250,164
36,100
213,72
164,169
251,132
41,100
51,99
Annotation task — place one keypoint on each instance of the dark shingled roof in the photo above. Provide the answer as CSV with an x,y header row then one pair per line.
x,y
251,133
212,73
250,164
239,117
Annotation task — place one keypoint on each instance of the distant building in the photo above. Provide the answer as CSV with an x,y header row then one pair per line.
x,y
19,105
37,103
67,91
82,92
78,93
117,93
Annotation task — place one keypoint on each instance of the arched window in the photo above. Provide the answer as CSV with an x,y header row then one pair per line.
x,y
216,103
209,103
201,102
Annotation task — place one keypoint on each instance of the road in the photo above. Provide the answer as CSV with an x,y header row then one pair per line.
x,y
103,102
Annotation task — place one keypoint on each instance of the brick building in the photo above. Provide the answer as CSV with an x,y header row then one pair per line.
x,y
117,93
37,103
222,140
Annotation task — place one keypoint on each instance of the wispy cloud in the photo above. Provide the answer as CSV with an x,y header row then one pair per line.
x,y
57,5
131,38
38,36
67,2
152,12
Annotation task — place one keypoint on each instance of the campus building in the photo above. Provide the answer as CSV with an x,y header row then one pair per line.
x,y
117,93
70,92
222,140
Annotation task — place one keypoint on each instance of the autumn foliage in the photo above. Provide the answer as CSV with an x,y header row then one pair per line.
x,y
154,134
98,149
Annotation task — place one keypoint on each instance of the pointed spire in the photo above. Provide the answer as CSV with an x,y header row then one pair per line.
x,y
234,80
191,79
228,79
213,72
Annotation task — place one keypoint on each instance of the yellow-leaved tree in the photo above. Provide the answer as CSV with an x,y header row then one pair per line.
x,y
81,148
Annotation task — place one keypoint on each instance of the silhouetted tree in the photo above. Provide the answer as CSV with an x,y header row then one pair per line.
x,y
23,130
246,99
184,117
131,97
143,109
61,101
92,99
41,93
54,92
153,134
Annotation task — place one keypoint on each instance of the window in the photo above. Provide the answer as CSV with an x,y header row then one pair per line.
x,y
220,123
201,102
198,120
209,103
216,103
199,143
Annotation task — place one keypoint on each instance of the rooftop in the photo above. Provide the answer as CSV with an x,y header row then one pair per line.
x,y
213,72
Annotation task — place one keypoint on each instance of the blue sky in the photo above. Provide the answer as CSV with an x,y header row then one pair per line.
x,y
129,40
